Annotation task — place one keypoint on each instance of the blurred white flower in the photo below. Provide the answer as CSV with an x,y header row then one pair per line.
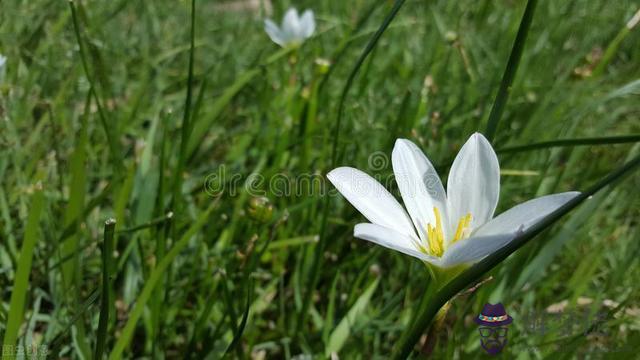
x,y
294,30
3,62
442,229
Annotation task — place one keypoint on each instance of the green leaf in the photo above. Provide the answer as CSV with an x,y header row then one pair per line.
x,y
75,207
604,140
105,303
510,70
341,333
21,281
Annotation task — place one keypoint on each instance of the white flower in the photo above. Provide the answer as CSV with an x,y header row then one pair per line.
x,y
442,229
295,29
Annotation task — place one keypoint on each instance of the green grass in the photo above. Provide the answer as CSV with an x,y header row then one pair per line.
x,y
92,110
21,281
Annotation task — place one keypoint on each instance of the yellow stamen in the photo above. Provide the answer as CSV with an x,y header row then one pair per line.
x,y
439,225
463,225
436,235
430,236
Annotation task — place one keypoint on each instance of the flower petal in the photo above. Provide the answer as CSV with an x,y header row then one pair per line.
x,y
390,239
371,199
291,25
473,249
3,62
308,23
419,185
523,216
473,185
274,32
504,228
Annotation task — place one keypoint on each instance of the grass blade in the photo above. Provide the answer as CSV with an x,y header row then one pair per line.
x,y
57,343
342,332
103,322
186,119
21,281
614,45
201,321
108,129
622,139
243,323
75,208
510,70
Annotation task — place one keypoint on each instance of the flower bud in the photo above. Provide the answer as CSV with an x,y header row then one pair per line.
x,y
322,66
451,36
260,209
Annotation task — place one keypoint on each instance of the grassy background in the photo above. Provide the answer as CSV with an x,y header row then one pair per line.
x,y
226,263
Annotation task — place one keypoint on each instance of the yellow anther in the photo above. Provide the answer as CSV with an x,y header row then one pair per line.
x,y
430,235
463,225
439,225
435,235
